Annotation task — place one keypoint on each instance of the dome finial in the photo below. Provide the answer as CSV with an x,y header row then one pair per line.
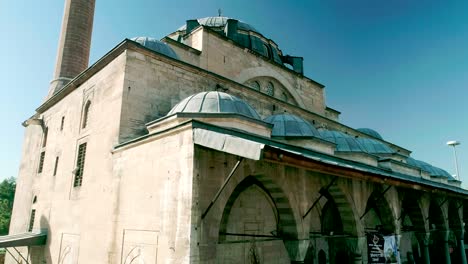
x,y
219,12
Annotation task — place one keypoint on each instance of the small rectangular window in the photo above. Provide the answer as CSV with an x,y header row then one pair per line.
x,y
44,138
80,161
56,165
86,114
41,162
31,220
62,123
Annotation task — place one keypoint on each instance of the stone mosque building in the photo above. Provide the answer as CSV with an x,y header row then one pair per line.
x,y
211,146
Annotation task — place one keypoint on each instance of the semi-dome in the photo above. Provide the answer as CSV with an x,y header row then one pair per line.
x,y
220,22
432,170
370,132
156,45
214,102
287,125
344,142
374,146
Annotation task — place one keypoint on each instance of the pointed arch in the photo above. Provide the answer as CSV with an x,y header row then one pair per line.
x,y
454,215
286,224
251,73
436,217
348,217
410,208
378,207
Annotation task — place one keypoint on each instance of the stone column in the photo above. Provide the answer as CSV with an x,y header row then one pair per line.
x,y
460,234
423,239
445,237
297,249
356,247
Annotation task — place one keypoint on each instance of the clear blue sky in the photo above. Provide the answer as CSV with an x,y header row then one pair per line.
x,y
399,67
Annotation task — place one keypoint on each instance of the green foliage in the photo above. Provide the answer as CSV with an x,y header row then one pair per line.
x,y
7,195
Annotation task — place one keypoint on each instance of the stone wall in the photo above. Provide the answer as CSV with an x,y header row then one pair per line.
x,y
223,57
69,213
154,204
154,84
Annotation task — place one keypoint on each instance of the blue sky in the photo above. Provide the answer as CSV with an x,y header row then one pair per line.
x,y
399,67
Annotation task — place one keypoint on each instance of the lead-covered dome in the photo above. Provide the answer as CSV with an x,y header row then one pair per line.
x,y
214,102
344,142
156,45
287,125
432,170
220,22
239,32
370,132
374,146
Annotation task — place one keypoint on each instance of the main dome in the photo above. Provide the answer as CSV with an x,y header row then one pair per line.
x,y
214,102
287,125
156,45
220,22
240,33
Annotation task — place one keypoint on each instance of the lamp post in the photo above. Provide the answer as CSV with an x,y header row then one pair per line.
x,y
454,143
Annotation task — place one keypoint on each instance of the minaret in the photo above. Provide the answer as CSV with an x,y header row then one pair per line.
x,y
74,44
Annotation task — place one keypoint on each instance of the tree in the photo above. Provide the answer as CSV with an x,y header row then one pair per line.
x,y
7,195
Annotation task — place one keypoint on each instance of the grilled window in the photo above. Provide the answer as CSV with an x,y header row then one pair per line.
x,y
44,138
255,85
270,89
86,114
56,165
62,123
80,161
41,162
31,220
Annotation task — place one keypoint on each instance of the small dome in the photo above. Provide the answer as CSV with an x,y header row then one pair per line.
x,y
432,170
370,132
287,125
374,146
344,142
156,45
214,102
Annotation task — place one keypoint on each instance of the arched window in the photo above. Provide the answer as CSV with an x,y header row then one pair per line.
x,y
267,50
86,114
285,97
255,85
270,89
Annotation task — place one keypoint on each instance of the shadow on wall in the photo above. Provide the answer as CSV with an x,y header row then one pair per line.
x,y
41,254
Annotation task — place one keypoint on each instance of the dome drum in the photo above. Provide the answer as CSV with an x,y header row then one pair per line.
x,y
242,34
294,130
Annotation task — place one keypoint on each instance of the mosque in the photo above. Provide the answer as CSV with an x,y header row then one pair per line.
x,y
211,146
